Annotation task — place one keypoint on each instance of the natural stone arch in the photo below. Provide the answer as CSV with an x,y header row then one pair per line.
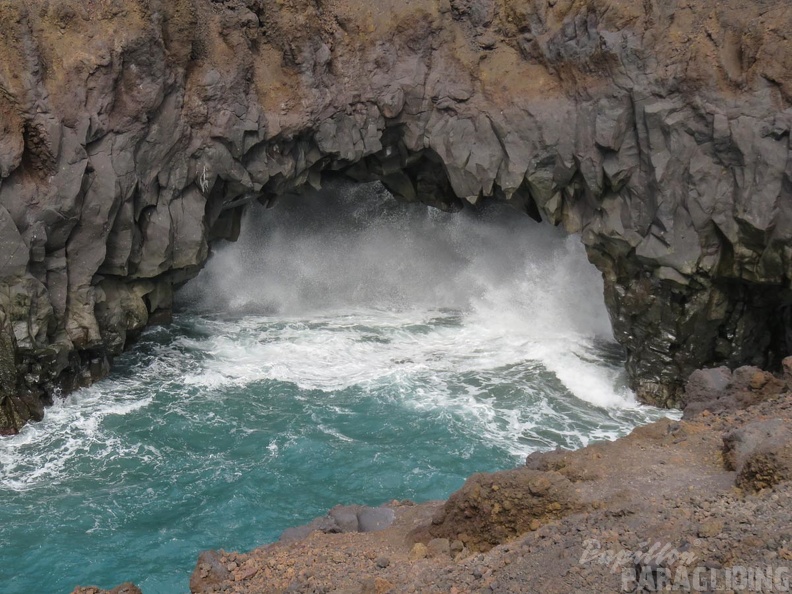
x,y
121,163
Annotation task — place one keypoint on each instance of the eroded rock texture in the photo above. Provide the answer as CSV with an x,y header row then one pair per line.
x,y
134,132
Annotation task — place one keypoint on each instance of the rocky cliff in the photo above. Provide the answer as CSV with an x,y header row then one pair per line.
x,y
134,132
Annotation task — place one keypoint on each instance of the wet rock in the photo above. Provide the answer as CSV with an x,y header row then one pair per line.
x,y
10,418
14,253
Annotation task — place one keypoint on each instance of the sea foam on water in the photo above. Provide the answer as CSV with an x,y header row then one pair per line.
x,y
348,349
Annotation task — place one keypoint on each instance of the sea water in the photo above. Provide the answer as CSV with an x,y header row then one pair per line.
x,y
348,349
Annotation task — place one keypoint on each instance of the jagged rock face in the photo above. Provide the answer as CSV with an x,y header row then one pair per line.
x,y
134,132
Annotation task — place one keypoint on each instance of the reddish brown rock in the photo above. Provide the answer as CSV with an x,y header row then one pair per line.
x,y
209,573
492,508
760,453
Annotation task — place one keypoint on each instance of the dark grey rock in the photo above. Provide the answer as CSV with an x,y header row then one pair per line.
x,y
14,254
123,163
372,519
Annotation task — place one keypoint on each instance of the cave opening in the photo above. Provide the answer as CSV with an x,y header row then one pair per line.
x,y
353,243
346,348
353,248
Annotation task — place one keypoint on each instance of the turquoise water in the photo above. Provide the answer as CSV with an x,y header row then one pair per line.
x,y
308,368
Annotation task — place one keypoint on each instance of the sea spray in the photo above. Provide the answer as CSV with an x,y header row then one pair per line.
x,y
523,285
355,246
349,349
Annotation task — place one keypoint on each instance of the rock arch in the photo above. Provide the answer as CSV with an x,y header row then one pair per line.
x,y
134,132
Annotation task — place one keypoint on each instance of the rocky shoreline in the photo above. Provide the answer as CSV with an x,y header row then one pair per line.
x,y
704,498
134,133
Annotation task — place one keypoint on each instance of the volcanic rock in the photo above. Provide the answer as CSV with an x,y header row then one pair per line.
x,y
133,135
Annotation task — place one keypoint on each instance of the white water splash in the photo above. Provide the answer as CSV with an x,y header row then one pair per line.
x,y
343,291
526,292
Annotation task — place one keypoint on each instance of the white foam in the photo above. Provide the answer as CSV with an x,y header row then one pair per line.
x,y
72,430
405,303
528,293
334,432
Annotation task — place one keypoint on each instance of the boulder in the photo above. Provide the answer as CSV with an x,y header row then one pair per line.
x,y
492,508
344,518
719,389
208,573
760,453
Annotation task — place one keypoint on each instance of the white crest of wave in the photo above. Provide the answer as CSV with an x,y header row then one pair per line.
x,y
72,429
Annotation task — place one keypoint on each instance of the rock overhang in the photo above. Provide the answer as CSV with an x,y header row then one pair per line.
x,y
135,133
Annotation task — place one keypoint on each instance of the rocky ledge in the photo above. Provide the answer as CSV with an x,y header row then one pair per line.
x,y
133,133
704,498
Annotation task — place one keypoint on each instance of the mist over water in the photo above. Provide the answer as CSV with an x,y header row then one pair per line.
x,y
520,290
354,246
348,349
